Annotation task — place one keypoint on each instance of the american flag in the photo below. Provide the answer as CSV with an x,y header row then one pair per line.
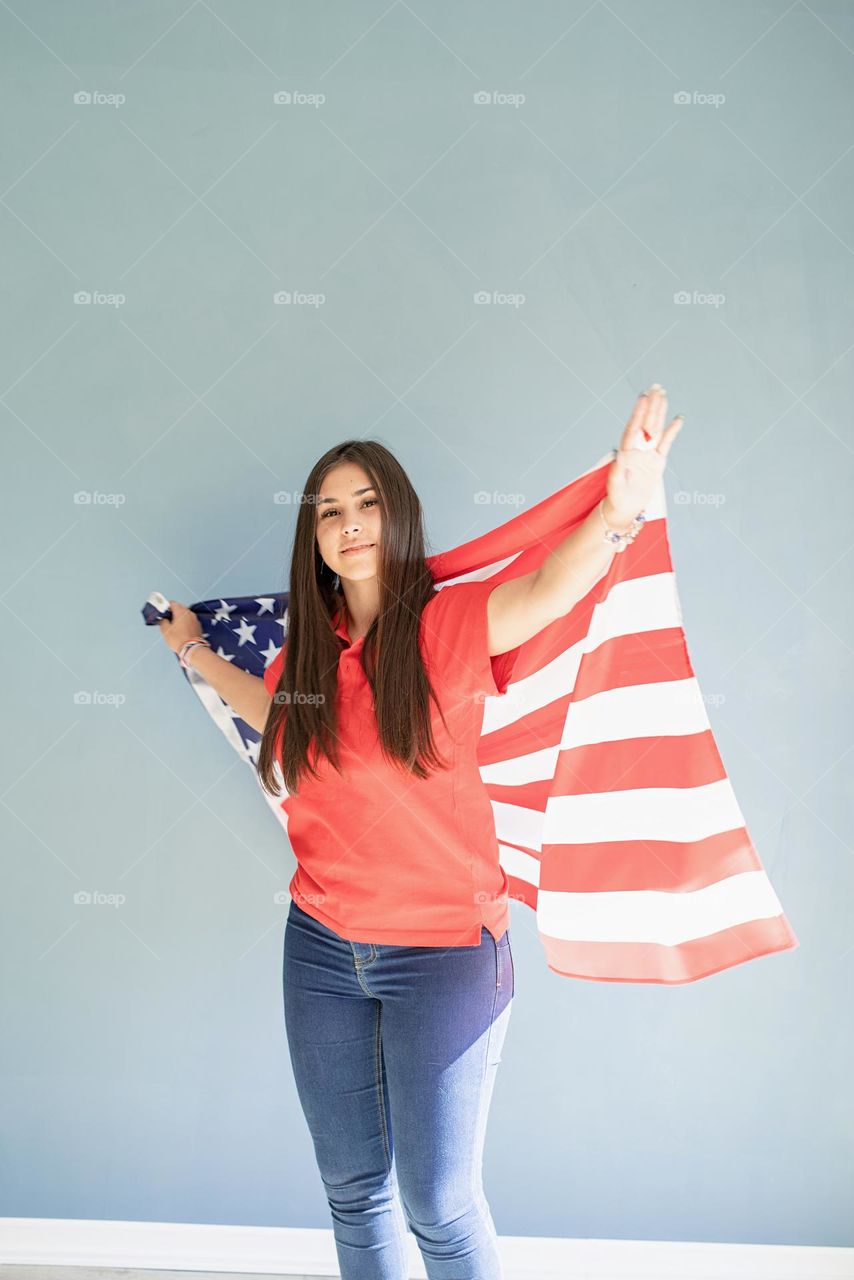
x,y
615,820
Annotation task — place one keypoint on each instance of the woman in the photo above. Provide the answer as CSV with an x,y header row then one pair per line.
x,y
398,972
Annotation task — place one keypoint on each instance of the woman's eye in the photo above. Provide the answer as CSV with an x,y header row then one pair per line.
x,y
334,510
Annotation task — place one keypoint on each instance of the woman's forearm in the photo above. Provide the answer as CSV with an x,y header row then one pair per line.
x,y
245,693
576,563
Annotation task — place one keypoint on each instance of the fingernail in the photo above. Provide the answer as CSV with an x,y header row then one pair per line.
x,y
656,386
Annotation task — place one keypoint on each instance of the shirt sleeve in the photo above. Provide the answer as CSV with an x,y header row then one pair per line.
x,y
459,634
271,673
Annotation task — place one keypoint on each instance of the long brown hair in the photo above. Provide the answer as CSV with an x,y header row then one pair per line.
x,y
303,708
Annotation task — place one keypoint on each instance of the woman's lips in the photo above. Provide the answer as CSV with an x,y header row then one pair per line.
x,y
355,551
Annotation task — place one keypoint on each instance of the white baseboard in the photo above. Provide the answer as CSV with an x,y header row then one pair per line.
x,y
177,1246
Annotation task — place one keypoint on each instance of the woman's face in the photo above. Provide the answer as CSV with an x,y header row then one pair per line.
x,y
348,515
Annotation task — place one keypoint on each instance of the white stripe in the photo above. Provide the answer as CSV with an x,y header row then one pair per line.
x,y
663,709
219,711
481,575
519,864
680,814
223,717
636,605
534,767
518,825
651,916
643,604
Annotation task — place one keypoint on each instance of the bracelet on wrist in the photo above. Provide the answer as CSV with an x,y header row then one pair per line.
x,y
185,649
619,541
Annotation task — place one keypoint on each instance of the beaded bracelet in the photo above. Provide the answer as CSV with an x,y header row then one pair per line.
x,y
185,649
619,541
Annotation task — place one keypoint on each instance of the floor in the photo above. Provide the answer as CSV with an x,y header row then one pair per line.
x,y
14,1271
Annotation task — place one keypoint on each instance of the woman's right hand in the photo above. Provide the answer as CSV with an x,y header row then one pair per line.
x,y
184,626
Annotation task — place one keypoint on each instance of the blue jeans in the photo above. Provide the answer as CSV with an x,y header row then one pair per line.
x,y
395,1051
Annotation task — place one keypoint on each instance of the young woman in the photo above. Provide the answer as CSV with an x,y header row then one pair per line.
x,y
398,972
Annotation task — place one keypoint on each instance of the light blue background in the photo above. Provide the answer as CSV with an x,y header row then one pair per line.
x,y
144,1064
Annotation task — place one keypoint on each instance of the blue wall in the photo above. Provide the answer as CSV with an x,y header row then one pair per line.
x,y
144,1065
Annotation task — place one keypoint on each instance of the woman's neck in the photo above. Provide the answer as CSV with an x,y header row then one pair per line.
x,y
361,604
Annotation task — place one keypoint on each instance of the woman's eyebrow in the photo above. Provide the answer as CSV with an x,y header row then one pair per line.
x,y
368,489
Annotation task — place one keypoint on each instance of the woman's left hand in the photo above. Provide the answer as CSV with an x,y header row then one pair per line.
x,y
641,457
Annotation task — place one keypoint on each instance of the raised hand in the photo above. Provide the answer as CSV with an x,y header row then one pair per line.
x,y
641,457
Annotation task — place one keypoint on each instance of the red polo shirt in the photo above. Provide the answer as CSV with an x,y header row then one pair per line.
x,y
383,856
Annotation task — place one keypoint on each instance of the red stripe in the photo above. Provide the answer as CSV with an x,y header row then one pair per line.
x,y
541,728
623,865
678,760
643,657
528,795
652,962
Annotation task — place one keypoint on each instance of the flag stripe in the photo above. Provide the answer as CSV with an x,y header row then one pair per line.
x,y
649,864
667,919
650,962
